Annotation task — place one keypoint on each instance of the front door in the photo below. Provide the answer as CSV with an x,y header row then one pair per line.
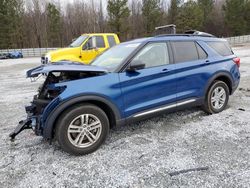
x,y
92,48
152,86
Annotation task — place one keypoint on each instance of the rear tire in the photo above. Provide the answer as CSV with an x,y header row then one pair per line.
x,y
82,129
216,98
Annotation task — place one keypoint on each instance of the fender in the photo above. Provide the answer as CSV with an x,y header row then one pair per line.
x,y
215,76
50,121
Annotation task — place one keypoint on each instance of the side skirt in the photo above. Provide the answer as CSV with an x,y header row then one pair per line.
x,y
165,109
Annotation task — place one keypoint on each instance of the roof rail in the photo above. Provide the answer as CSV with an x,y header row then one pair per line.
x,y
172,35
195,32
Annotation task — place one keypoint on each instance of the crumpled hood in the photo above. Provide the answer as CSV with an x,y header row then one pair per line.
x,y
63,66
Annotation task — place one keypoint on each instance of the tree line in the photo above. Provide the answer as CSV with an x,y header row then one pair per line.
x,y
35,23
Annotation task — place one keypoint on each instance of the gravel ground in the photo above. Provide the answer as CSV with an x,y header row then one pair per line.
x,y
138,155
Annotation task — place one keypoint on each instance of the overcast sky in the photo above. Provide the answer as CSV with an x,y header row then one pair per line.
x,y
63,3
104,2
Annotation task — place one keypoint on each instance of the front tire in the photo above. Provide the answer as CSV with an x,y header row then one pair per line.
x,y
82,129
217,97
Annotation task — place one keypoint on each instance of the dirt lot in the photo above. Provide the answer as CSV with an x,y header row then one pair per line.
x,y
139,155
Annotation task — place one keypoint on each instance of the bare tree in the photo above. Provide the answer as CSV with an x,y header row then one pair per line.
x,y
29,22
136,20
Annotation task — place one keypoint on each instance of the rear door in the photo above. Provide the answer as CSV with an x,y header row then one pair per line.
x,y
191,62
152,86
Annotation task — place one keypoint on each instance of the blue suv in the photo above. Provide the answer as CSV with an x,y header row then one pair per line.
x,y
78,104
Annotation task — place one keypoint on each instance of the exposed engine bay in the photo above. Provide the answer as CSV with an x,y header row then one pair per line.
x,y
58,77
46,94
54,73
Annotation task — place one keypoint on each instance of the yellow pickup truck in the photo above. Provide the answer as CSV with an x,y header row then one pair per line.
x,y
84,49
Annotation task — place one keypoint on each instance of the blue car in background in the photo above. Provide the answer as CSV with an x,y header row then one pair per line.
x,y
78,104
4,55
15,55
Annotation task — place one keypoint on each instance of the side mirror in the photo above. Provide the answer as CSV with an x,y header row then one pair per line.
x,y
136,65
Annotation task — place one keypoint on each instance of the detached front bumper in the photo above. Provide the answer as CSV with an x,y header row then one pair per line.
x,y
31,122
24,124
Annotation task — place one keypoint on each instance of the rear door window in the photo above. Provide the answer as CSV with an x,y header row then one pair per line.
x,y
111,40
221,47
184,51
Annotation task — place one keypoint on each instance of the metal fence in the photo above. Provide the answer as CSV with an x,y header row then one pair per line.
x,y
29,52
239,39
38,52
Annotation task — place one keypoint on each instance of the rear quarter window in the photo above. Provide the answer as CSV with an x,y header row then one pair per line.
x,y
221,47
201,52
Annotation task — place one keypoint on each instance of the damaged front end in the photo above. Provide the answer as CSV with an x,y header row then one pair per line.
x,y
49,94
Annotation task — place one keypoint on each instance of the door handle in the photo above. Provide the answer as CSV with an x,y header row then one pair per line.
x,y
207,62
165,70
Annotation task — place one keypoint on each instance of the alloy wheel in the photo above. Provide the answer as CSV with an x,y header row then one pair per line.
x,y
84,130
218,98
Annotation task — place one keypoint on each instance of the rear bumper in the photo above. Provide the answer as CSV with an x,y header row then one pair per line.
x,y
235,85
234,89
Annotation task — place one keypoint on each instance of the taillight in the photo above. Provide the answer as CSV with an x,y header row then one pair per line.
x,y
237,61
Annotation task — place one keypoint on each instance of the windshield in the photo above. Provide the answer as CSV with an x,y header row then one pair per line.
x,y
113,57
78,41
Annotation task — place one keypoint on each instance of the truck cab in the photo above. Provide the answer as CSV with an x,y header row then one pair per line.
x,y
84,49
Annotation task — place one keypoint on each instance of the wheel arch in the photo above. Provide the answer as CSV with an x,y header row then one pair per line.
x,y
108,107
222,76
